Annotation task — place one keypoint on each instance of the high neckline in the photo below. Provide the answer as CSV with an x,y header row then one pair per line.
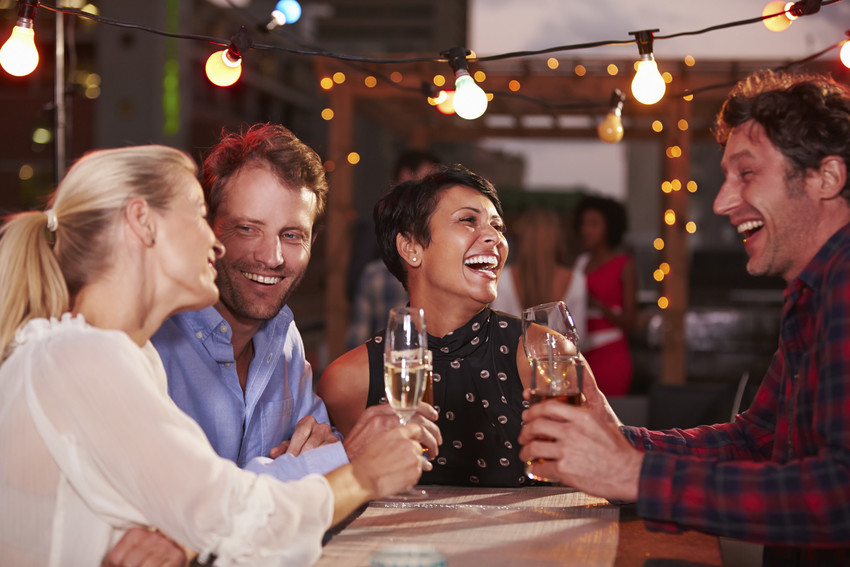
x,y
464,340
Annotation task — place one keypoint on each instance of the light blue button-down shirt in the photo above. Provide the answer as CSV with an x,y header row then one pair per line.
x,y
196,350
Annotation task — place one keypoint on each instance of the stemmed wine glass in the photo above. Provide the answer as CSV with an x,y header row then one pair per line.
x,y
551,344
407,367
405,363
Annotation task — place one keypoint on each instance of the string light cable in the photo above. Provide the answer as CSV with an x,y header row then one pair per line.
x,y
389,60
802,7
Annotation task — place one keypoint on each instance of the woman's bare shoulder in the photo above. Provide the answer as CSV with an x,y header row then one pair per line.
x,y
344,388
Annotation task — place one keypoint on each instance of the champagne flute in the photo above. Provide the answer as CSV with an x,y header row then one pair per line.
x,y
405,364
407,367
551,344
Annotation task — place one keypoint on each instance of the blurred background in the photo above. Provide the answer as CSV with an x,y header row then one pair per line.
x,y
707,329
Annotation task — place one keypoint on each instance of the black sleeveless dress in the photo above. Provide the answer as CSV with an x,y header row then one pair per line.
x,y
478,394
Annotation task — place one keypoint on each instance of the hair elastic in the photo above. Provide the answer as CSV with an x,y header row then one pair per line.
x,y
52,221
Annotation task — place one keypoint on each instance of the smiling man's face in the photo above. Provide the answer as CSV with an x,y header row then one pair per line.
x,y
266,228
768,203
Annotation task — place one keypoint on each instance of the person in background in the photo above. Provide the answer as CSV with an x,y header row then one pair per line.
x,y
91,447
611,292
238,367
539,271
443,237
778,474
377,290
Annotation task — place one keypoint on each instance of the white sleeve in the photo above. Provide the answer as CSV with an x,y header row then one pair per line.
x,y
135,458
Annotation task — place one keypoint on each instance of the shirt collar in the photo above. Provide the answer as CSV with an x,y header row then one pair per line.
x,y
814,272
208,321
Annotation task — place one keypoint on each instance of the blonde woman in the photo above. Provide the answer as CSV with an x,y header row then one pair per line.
x,y
90,444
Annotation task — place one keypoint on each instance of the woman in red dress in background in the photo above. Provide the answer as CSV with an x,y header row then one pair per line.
x,y
612,293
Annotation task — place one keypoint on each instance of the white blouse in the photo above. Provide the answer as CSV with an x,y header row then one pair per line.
x,y
91,445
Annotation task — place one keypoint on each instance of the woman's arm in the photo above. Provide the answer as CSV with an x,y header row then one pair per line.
x,y
389,465
344,387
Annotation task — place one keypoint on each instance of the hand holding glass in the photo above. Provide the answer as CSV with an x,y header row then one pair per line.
x,y
550,341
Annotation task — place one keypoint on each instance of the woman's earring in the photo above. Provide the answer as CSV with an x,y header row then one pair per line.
x,y
413,259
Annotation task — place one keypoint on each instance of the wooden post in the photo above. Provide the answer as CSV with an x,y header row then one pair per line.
x,y
674,286
339,214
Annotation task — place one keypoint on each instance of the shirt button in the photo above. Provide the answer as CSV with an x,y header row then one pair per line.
x,y
223,328
199,334
228,364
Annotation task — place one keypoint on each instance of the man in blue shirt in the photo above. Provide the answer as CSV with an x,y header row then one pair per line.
x,y
238,368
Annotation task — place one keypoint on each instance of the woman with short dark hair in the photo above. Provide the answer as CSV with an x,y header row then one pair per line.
x,y
443,238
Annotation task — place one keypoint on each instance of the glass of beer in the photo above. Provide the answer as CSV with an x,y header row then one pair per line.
x,y
550,341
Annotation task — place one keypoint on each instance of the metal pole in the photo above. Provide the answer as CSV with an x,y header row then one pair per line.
x,y
59,100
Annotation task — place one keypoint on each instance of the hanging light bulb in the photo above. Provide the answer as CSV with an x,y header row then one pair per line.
x,y
783,17
648,86
845,52
446,104
779,14
285,12
438,97
18,56
224,67
470,101
610,130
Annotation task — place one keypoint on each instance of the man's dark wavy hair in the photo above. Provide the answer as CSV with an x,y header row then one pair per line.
x,y
806,116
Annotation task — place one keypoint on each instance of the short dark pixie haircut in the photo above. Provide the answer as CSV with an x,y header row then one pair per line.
x,y
407,208
806,116
616,220
293,162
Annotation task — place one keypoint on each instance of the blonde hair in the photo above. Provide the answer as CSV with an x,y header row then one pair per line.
x,y
541,248
43,270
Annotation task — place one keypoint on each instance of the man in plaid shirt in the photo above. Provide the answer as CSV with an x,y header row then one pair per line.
x,y
780,473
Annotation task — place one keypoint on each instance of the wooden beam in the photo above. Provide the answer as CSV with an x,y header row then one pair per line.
x,y
674,347
339,215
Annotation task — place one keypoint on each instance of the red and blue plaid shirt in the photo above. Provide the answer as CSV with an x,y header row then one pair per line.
x,y
779,474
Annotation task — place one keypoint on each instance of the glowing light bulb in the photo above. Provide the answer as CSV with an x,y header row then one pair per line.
x,y
610,130
447,104
845,54
648,86
783,20
470,100
440,98
18,56
285,12
222,70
